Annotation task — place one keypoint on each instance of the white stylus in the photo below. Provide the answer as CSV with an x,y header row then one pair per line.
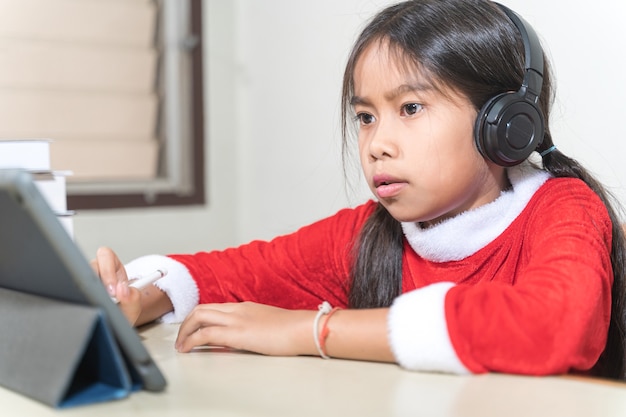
x,y
145,280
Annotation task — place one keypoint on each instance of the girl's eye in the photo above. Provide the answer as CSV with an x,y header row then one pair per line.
x,y
411,108
364,118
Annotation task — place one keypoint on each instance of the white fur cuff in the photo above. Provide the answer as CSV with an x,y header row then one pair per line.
x,y
177,284
418,332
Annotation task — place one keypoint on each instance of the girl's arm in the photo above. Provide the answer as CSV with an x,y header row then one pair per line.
x,y
353,334
295,271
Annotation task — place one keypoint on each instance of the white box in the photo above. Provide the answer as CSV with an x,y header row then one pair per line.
x,y
30,154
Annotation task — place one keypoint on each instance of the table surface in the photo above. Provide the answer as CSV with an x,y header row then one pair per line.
x,y
219,382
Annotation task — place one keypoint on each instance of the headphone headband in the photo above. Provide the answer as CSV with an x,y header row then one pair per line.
x,y
533,78
510,126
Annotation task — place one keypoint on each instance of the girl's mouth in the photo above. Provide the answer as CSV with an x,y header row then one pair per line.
x,y
387,186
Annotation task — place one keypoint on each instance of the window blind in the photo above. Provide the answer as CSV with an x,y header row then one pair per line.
x,y
84,73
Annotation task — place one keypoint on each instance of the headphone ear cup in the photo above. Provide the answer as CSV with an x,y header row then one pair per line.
x,y
508,129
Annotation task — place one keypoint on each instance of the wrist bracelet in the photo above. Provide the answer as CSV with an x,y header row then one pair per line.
x,y
324,333
323,309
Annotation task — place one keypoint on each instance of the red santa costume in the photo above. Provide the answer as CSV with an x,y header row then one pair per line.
x,y
520,285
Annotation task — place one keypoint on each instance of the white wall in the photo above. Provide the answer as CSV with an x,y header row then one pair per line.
x,y
274,71
587,43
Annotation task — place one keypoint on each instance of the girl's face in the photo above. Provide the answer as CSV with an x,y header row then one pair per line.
x,y
416,143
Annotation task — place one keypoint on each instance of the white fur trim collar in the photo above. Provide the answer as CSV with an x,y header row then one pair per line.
x,y
465,234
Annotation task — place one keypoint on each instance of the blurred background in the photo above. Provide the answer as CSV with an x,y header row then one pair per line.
x,y
270,94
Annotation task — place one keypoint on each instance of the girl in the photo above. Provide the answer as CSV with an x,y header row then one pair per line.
x,y
472,258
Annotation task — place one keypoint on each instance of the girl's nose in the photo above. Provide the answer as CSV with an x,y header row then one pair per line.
x,y
383,143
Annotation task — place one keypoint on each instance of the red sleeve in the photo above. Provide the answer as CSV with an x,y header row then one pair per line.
x,y
555,316
298,270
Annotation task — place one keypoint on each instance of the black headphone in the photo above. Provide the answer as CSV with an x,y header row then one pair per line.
x,y
510,126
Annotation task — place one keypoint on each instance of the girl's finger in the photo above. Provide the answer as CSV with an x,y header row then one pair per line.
x,y
110,269
192,330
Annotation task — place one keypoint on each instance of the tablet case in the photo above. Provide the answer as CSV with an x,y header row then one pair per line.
x,y
67,321
58,353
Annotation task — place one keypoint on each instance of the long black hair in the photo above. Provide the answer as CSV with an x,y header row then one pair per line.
x,y
471,46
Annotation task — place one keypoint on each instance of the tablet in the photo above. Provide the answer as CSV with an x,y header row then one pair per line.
x,y
37,256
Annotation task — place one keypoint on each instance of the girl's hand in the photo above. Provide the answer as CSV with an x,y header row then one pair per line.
x,y
113,275
249,326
